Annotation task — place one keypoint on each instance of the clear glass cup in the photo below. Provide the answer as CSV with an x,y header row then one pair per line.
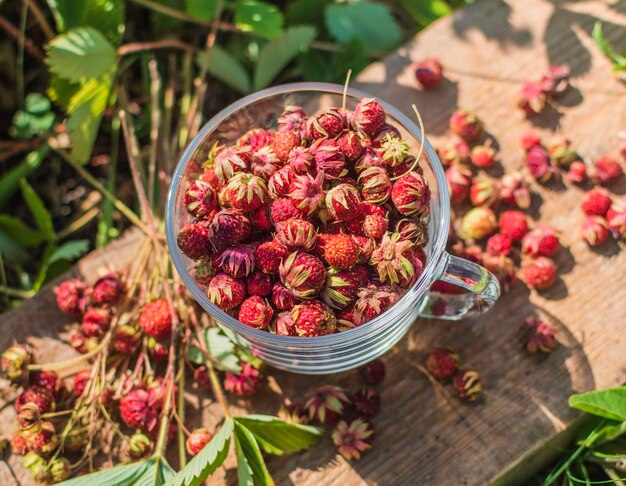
x,y
354,347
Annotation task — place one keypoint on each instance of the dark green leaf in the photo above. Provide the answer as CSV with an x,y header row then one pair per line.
x,y
165,24
37,208
81,53
259,17
19,231
426,11
354,57
225,67
37,104
201,9
12,252
610,403
36,119
10,182
278,52
105,15
70,251
207,460
67,13
278,437
306,12
251,468
220,347
117,476
371,23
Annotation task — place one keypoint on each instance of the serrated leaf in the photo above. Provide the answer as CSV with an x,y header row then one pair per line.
x,y
201,9
105,15
259,17
157,474
207,460
79,54
20,231
610,403
251,468
275,436
70,251
116,476
220,347
42,217
61,90
372,23
10,182
279,52
225,67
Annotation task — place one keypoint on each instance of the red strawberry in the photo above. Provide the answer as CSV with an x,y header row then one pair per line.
x,y
269,256
156,319
313,318
194,240
226,292
255,312
340,251
302,274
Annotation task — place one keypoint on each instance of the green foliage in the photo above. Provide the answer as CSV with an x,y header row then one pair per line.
x,y
610,403
225,67
41,215
219,347
618,60
10,182
201,9
107,16
20,232
426,11
251,468
369,22
151,472
259,17
35,119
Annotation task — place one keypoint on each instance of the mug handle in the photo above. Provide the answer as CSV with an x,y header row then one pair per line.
x,y
483,287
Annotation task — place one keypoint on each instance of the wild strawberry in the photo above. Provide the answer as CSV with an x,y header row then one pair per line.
x,y
307,193
19,444
538,164
243,383
194,240
467,384
370,158
227,228
442,363
541,241
340,251
555,80
596,202
137,410
539,274
269,256
351,144
108,289
411,195
296,234
414,230
483,156
80,381
259,283
392,262
499,244
325,124
329,158
255,312
302,274
38,467
283,324
139,446
209,176
256,139
260,219
29,416
283,143
577,172
405,167
459,180
478,223
230,160
472,253
503,268
345,319
204,270
200,199
454,152
197,440
156,319
560,151
226,292
326,404
48,380
343,202
366,402
483,191
353,438
595,230
293,119
514,224
537,336
514,190
280,182
313,318
366,247
72,297
126,339
466,125
159,353
283,209
264,162
301,160
96,322
381,135
394,151
428,72
42,397
531,98
530,139
375,185
369,116
282,298
246,192
44,439
616,217
373,301
14,362
373,373
340,289
374,226
237,261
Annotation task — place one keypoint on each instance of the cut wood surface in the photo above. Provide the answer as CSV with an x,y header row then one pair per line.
x,y
424,435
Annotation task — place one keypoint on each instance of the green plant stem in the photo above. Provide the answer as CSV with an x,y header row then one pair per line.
x,y
119,205
217,388
135,47
68,363
181,410
106,220
78,223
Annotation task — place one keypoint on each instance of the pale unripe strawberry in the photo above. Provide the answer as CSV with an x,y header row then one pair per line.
x,y
466,125
197,440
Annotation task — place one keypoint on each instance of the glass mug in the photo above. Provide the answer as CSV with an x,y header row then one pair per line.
x,y
354,347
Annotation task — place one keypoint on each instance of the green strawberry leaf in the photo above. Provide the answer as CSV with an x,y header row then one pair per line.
x,y
251,468
225,67
610,403
117,476
259,17
42,217
201,9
